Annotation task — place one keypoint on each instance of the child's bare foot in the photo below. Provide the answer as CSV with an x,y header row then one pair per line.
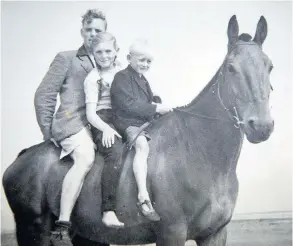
x,y
110,220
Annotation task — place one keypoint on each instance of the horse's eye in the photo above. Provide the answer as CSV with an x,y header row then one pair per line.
x,y
271,68
231,68
272,88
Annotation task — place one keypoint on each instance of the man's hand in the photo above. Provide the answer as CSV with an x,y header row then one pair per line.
x,y
109,136
163,109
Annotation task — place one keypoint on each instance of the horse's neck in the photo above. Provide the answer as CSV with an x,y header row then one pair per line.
x,y
208,102
209,110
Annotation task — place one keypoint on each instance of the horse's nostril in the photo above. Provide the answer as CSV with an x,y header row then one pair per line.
x,y
251,123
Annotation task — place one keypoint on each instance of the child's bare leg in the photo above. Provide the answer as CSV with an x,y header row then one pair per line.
x,y
111,173
140,173
140,168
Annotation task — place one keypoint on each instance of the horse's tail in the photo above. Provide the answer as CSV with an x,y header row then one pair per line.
x,y
22,152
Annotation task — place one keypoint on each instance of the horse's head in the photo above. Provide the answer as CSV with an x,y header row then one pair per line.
x,y
246,71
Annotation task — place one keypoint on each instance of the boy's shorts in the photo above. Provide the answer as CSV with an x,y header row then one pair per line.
x,y
82,138
131,134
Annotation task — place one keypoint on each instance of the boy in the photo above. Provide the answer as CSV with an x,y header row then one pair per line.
x,y
132,103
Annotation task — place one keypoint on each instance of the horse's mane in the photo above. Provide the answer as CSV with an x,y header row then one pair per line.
x,y
243,37
22,152
202,92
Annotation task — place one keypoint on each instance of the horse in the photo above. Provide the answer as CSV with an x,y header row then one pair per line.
x,y
192,178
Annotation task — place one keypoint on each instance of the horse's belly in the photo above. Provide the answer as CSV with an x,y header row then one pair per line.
x,y
140,234
87,213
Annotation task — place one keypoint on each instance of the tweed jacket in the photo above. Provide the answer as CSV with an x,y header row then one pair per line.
x,y
131,98
65,77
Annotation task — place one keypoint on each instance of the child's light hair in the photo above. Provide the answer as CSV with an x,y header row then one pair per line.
x,y
94,14
104,37
140,47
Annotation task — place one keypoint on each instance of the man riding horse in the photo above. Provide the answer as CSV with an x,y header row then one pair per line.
x,y
69,127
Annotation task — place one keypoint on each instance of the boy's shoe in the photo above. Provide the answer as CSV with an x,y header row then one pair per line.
x,y
151,214
60,237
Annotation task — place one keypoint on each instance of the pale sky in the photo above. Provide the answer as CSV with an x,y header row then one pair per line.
x,y
190,42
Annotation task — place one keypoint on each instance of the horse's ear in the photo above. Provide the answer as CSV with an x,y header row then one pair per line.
x,y
261,31
233,30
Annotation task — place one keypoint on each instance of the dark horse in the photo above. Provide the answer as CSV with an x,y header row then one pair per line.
x,y
192,166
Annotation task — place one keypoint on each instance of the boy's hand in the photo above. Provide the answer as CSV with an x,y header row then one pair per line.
x,y
163,109
109,136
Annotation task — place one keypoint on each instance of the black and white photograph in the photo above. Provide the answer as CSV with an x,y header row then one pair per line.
x,y
166,123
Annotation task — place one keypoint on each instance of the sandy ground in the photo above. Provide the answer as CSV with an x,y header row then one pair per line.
x,y
265,232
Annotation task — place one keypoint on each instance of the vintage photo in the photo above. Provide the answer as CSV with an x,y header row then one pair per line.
x,y
153,122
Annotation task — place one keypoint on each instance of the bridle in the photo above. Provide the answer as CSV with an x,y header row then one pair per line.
x,y
233,116
230,114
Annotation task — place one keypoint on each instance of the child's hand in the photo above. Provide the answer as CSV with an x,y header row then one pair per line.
x,y
163,109
109,136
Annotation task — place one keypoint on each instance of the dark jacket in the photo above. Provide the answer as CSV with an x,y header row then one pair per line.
x,y
131,98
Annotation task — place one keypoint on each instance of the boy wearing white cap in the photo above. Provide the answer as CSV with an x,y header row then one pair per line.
x,y
133,105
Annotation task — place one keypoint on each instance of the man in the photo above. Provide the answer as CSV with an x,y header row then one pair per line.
x,y
69,126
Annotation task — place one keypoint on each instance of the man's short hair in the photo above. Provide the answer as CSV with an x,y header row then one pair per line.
x,y
94,14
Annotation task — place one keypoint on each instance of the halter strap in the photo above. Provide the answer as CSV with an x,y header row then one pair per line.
x,y
231,115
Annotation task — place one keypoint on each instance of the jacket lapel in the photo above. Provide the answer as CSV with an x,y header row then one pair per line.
x,y
150,93
141,82
146,88
85,60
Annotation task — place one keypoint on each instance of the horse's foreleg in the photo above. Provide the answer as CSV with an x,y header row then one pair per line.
x,y
172,235
33,231
217,239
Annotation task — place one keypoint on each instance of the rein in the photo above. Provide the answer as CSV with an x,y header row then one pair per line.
x,y
231,116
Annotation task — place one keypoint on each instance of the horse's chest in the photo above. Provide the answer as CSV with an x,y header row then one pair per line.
x,y
217,205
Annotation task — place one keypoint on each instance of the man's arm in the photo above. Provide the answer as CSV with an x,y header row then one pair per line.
x,y
46,94
123,98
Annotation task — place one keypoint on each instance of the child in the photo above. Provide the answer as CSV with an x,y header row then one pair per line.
x,y
99,114
132,103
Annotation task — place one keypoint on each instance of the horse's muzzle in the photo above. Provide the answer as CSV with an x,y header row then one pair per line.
x,y
257,130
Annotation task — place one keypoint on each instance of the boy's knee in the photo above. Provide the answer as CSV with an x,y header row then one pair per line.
x,y
141,144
